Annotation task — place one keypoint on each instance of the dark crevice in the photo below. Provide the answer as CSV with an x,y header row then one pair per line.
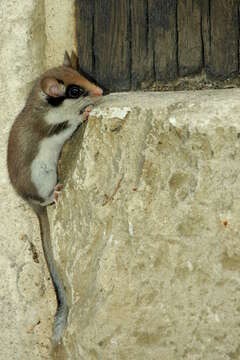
x,y
147,25
177,38
238,22
202,41
154,63
77,17
210,25
93,43
152,28
130,43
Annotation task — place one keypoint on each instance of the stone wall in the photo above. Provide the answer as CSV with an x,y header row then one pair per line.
x,y
33,37
147,229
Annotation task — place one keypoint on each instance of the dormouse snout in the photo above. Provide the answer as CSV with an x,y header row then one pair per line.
x,y
97,91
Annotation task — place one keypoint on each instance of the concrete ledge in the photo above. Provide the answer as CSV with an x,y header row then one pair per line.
x,y
147,230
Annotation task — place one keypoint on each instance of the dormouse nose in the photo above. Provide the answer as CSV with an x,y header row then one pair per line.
x,y
96,91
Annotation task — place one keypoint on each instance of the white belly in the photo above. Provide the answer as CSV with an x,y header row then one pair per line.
x,y
44,166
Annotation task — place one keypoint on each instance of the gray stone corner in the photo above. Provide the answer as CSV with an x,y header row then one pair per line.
x,y
147,230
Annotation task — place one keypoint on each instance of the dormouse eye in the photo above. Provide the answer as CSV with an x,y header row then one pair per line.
x,y
74,91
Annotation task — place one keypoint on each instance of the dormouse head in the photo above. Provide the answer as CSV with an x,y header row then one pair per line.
x,y
65,86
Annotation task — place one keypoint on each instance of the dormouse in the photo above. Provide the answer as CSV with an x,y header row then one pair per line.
x,y
60,100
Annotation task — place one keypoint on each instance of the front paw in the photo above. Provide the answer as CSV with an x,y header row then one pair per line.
x,y
86,112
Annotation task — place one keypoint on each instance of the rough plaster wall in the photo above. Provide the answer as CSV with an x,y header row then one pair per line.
x,y
154,273
147,229
26,298
60,30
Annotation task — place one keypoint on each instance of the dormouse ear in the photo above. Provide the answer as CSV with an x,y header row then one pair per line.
x,y
67,61
52,87
74,60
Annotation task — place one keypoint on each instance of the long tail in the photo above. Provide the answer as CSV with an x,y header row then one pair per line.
x,y
62,307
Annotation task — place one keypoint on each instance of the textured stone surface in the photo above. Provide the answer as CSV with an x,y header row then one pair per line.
x,y
27,300
60,30
147,230
146,233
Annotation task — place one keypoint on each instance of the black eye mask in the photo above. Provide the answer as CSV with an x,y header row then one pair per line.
x,y
55,101
72,92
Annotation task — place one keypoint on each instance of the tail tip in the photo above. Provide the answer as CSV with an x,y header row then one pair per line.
x,y
60,324
58,334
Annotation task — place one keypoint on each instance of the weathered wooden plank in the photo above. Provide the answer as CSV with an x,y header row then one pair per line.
x,y
130,44
84,14
163,33
141,46
223,61
112,44
190,55
238,36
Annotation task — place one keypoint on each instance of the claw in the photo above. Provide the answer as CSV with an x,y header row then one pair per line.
x,y
55,196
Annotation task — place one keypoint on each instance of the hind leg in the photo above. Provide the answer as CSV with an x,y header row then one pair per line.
x,y
53,197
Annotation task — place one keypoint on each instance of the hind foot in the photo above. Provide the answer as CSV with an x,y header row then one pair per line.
x,y
56,192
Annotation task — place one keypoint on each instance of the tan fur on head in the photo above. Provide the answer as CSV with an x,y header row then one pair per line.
x,y
68,75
